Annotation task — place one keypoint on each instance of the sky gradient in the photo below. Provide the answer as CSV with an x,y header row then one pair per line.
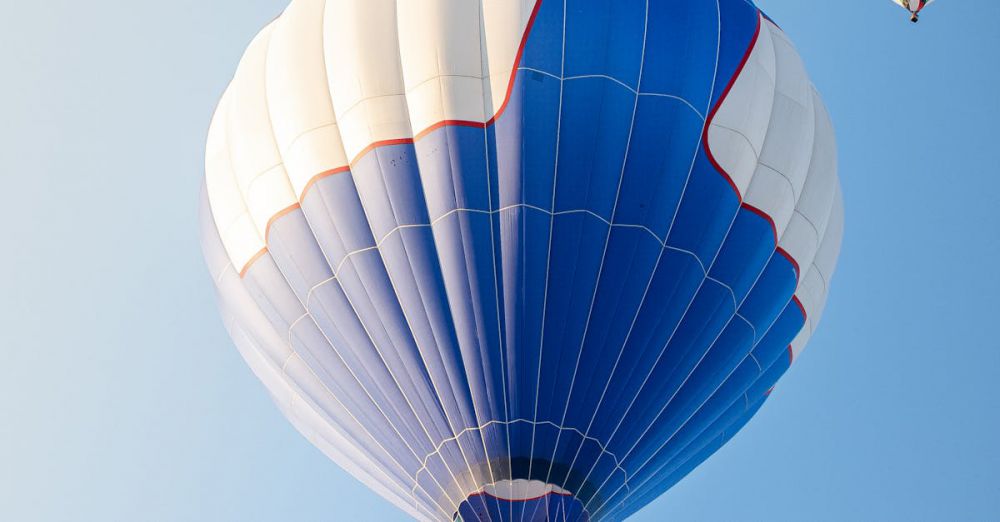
x,y
124,399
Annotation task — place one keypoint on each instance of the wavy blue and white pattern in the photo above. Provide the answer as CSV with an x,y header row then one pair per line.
x,y
521,260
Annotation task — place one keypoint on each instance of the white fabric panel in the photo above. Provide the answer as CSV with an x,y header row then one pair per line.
x,y
800,240
785,154
268,194
255,159
446,98
506,22
773,137
364,71
298,96
225,198
251,147
801,340
442,65
318,431
812,211
736,134
814,287
811,291
770,191
239,235
273,361
788,147
789,150
267,358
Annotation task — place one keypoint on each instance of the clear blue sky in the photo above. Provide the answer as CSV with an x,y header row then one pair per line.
x,y
122,397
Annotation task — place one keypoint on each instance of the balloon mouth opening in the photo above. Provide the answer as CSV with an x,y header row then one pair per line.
x,y
520,490
521,499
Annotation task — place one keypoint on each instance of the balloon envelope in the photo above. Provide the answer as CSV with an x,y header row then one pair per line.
x,y
520,260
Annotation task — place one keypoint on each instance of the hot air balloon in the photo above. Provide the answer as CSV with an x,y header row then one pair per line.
x,y
520,260
914,7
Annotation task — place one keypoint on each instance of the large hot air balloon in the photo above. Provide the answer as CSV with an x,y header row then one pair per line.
x,y
520,259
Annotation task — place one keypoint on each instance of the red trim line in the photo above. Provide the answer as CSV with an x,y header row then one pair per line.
x,y
254,258
517,62
805,317
795,299
447,123
711,158
282,212
377,144
774,233
718,104
267,232
761,213
795,264
401,141
312,181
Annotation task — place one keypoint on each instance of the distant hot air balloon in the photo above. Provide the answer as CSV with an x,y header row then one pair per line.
x,y
520,260
914,7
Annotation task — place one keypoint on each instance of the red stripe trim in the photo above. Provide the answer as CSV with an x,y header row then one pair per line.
x,y
282,212
795,265
255,257
805,317
401,141
517,62
718,104
267,233
795,299
447,123
312,181
377,144
711,158
761,213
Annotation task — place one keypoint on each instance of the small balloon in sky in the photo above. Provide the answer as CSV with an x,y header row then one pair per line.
x,y
914,7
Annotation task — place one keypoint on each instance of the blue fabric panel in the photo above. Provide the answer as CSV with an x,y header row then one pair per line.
x,y
594,133
747,249
453,168
683,36
695,455
709,312
577,253
675,281
631,258
605,37
544,47
659,162
705,214
336,217
524,236
772,292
